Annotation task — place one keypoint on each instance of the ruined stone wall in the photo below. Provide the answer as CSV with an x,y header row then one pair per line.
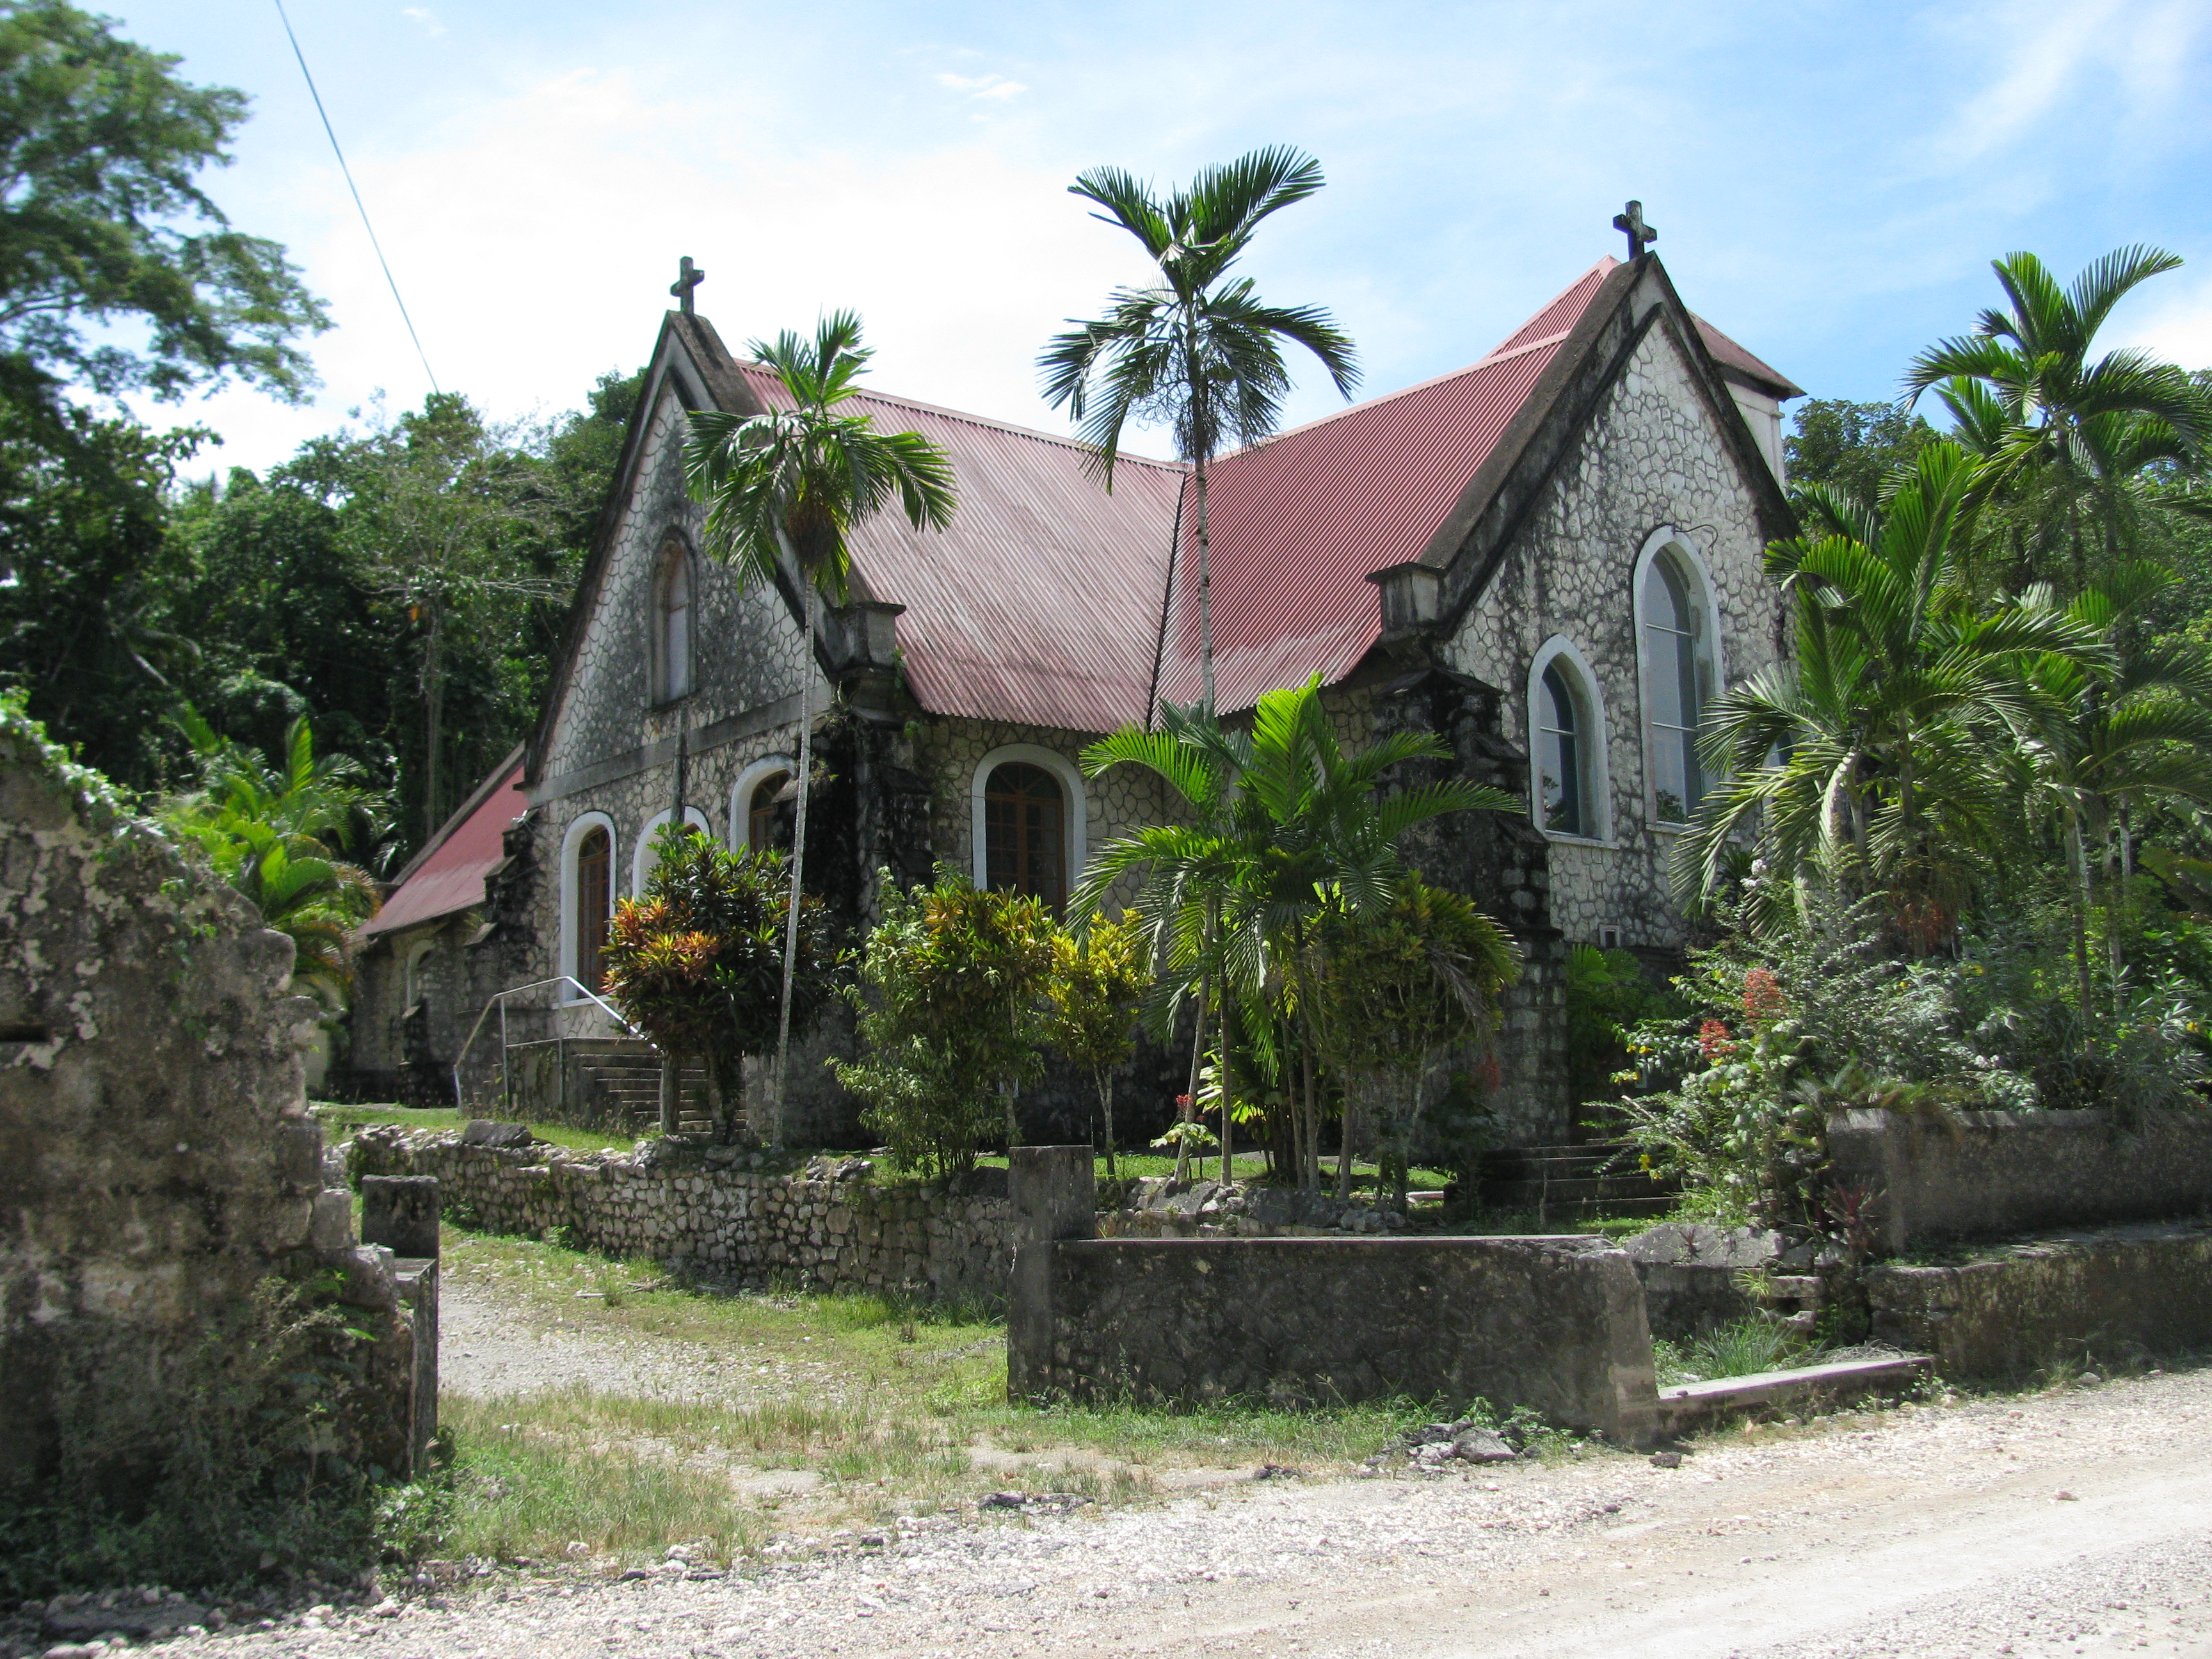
x,y
157,1159
1653,455
833,1230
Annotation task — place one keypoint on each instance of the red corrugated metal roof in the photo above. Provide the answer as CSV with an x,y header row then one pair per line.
x,y
449,874
1298,523
1041,603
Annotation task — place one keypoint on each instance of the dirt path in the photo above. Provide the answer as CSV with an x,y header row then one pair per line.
x,y
2073,1523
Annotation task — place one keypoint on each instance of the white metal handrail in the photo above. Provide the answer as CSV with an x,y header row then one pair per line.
x,y
499,1001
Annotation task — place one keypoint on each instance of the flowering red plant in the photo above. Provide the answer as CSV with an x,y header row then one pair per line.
x,y
1713,1041
1762,996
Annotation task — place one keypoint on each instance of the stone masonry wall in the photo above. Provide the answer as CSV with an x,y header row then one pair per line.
x,y
1652,456
833,1230
157,1161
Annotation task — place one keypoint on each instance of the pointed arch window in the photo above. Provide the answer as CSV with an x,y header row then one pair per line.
x,y
767,822
1678,678
592,894
1025,834
1562,757
674,616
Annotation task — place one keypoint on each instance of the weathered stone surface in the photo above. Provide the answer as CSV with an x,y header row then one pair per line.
x,y
1690,1273
1990,1173
157,1159
401,1213
834,1230
1555,1323
485,1132
2116,1292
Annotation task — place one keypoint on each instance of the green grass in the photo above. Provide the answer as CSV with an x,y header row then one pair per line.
x,y
891,1408
1246,1166
343,1121
1743,1349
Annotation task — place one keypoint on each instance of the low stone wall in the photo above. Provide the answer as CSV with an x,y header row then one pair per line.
x,y
831,1229
1555,1323
1693,1274
2104,1296
1992,1174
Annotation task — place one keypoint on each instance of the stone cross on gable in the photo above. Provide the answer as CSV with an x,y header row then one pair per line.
x,y
689,277
1629,223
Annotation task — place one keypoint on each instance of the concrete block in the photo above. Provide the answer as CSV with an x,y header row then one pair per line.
x,y
331,1228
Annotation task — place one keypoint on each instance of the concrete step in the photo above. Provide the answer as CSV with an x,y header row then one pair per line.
x,y
1685,1407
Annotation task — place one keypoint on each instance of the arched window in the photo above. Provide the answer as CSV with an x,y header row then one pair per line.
x,y
1025,832
591,895
1675,632
1561,757
672,613
1567,744
759,814
418,977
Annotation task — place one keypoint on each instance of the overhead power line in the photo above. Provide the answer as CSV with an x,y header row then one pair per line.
x,y
355,189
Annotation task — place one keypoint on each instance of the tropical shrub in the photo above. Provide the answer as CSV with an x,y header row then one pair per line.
x,y
1098,982
697,961
953,1017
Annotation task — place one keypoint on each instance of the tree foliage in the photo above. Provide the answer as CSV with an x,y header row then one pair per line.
x,y
696,961
103,224
1098,984
953,1017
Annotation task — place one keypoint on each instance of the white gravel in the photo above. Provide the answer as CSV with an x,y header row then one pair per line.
x,y
1941,1532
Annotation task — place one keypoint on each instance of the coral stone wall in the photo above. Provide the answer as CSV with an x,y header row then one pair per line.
x,y
157,1159
1654,455
831,1230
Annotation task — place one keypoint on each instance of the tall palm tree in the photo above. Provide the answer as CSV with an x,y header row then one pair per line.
x,y
2060,435
1286,826
1878,755
1194,348
789,487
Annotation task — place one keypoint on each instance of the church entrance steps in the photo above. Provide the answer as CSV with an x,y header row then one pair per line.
x,y
1561,1183
612,1083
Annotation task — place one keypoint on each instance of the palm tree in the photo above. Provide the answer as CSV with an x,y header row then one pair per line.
x,y
1878,757
791,485
1286,827
1194,348
2063,437
2129,726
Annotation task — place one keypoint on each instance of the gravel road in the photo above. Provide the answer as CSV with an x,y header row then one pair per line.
x,y
2076,1523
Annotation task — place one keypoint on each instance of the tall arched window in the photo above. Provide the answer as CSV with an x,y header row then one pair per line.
x,y
1562,757
1677,678
1025,832
671,621
591,899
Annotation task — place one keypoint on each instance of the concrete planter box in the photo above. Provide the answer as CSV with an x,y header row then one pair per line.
x,y
1985,1175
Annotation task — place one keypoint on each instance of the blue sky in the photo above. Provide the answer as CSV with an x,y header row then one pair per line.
x,y
1830,180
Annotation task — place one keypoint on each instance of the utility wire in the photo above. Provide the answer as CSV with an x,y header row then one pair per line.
x,y
355,189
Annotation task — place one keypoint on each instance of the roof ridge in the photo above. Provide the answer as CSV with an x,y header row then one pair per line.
x,y
1498,354
748,366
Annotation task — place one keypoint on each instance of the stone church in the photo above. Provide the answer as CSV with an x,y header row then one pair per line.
x,y
1552,556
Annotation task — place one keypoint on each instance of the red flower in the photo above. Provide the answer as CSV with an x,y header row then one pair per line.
x,y
1762,995
1713,1041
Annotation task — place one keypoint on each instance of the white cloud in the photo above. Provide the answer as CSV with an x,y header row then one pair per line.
x,y
2180,329
982,86
535,249
425,16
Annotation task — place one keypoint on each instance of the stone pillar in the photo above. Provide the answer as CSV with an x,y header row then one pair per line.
x,y
401,1213
1052,1193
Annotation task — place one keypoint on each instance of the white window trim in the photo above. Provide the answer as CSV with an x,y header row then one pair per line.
x,y
571,840
1074,820
417,953
741,795
1597,768
638,872
1662,540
